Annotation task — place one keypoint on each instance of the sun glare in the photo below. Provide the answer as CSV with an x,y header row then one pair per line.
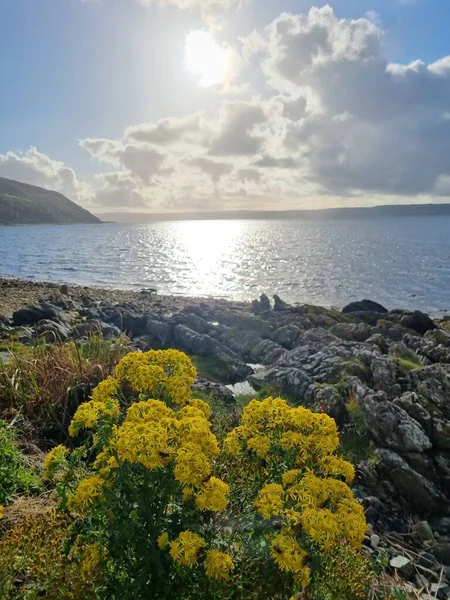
x,y
206,58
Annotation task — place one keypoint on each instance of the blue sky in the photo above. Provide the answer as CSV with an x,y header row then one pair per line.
x,y
72,70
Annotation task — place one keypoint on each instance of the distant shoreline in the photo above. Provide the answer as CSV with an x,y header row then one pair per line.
x,y
394,210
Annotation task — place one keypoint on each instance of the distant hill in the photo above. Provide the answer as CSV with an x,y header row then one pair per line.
x,y
23,204
395,210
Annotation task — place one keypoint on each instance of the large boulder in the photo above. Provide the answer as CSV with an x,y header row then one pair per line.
x,y
159,333
418,321
363,306
286,336
391,426
52,331
413,489
95,327
33,314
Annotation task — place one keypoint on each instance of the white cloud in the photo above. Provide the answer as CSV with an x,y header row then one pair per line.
x,y
38,169
335,120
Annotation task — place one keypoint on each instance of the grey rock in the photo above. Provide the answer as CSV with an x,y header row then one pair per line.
x,y
286,336
33,314
92,327
418,321
423,530
403,565
442,553
280,305
391,427
52,331
212,388
440,590
159,333
374,541
255,307
358,332
427,559
364,305
417,492
264,303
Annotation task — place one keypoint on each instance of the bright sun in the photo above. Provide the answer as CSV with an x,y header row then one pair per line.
x,y
206,58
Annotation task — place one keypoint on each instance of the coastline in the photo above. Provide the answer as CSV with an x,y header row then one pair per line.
x,y
16,293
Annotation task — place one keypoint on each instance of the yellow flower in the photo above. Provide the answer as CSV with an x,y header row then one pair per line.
x,y
213,495
260,444
145,443
1,511
218,565
88,492
291,477
269,502
287,553
191,466
92,556
90,413
163,540
333,465
303,577
321,526
186,548
188,492
53,460
231,444
201,405
105,389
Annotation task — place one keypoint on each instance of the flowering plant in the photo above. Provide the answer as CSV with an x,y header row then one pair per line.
x,y
163,509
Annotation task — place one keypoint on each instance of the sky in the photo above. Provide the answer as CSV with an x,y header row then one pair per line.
x,y
185,105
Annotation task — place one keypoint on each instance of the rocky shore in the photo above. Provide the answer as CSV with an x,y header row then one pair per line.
x,y
383,375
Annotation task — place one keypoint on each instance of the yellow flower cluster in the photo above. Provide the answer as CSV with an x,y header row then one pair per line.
x,y
186,548
92,557
311,499
90,414
88,492
167,374
218,565
289,556
1,511
213,495
152,433
53,460
272,422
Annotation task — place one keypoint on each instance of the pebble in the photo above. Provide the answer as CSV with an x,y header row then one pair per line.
x,y
403,565
423,530
374,541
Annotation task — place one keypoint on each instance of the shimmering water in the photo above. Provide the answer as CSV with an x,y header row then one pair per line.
x,y
398,261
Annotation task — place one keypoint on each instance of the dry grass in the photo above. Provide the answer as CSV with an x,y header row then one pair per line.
x,y
393,587
41,386
27,506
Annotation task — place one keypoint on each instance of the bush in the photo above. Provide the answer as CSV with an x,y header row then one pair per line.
x,y
165,509
14,476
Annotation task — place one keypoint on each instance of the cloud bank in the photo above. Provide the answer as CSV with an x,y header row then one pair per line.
x,y
334,120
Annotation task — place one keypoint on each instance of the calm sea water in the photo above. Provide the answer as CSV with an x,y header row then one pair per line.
x,y
400,261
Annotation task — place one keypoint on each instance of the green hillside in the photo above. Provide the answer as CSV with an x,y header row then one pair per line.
x,y
21,203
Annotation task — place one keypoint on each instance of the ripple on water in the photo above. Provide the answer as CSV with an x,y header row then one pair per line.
x,y
396,261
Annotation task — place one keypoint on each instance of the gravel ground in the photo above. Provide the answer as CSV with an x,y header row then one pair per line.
x,y
18,293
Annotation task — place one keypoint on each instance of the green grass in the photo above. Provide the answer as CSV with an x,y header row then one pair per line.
x,y
408,363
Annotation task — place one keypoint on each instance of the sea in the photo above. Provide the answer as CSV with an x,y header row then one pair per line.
x,y
399,261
